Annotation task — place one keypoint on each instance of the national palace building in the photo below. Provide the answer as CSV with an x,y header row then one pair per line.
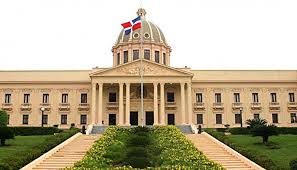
x,y
178,96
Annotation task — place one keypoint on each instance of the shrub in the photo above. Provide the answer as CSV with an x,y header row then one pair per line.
x,y
3,118
293,164
239,131
5,133
26,156
30,131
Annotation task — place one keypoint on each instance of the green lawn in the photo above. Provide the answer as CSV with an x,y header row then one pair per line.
x,y
20,143
280,156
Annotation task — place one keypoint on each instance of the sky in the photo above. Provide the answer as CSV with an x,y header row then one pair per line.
x,y
203,34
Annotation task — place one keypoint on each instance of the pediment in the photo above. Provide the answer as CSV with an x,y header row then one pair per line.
x,y
149,69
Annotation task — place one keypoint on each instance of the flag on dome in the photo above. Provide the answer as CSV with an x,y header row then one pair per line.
x,y
132,25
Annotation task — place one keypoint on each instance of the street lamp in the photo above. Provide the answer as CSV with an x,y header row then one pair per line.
x,y
240,116
42,109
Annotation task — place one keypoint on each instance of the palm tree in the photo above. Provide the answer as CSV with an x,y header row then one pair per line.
x,y
254,122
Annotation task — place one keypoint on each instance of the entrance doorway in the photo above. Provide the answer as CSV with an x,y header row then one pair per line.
x,y
134,118
149,118
170,119
112,119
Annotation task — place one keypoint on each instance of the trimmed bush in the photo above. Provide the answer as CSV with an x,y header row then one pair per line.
x,y
3,118
25,157
293,164
239,131
5,133
31,131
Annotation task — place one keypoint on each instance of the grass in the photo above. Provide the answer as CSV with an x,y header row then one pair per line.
x,y
20,143
281,149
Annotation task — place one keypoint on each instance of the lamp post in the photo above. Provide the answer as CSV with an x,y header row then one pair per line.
x,y
240,117
42,109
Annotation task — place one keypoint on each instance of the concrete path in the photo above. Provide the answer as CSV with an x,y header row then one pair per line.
x,y
221,154
68,154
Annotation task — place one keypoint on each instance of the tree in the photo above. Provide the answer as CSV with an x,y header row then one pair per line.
x,y
3,118
254,122
265,131
5,133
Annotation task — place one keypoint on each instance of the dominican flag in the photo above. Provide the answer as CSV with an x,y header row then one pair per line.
x,y
132,25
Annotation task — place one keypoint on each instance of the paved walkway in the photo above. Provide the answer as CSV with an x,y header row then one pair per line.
x,y
221,154
69,154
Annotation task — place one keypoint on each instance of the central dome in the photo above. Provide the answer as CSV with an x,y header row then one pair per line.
x,y
150,31
148,43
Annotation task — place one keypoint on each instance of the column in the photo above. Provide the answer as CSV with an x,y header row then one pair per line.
x,y
93,103
156,115
190,110
100,103
162,105
127,104
121,104
183,108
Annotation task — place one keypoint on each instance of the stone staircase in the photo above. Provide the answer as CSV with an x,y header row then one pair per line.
x,y
98,129
68,154
221,153
186,129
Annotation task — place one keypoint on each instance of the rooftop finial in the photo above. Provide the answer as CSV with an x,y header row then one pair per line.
x,y
141,12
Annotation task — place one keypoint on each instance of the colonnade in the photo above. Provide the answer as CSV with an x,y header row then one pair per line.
x,y
159,112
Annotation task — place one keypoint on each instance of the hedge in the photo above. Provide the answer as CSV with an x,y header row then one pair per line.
x,y
246,131
31,131
257,157
24,157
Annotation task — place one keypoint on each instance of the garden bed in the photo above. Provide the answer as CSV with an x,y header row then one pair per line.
x,y
144,148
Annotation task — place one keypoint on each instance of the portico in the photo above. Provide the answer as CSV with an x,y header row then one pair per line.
x,y
127,89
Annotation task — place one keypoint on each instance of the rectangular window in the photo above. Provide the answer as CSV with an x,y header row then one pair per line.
x,y
157,56
135,54
237,119
164,58
199,118
147,54
199,98
7,98
45,119
64,98
291,97
8,118
236,98
219,119
64,119
25,119
119,58
273,97
255,97
84,98
45,98
112,97
274,118
218,98
26,98
170,97
126,56
256,116
293,118
83,119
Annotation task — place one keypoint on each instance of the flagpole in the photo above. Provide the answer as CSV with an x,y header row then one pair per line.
x,y
141,73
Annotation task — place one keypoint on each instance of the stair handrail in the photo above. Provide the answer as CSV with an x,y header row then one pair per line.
x,y
194,129
89,129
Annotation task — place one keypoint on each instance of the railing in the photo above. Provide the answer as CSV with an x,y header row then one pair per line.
x,y
64,107
113,104
237,104
274,103
170,103
256,104
84,105
218,104
45,104
292,103
6,104
26,107
198,104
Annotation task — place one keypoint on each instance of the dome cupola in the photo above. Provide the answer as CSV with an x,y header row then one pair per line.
x,y
153,47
